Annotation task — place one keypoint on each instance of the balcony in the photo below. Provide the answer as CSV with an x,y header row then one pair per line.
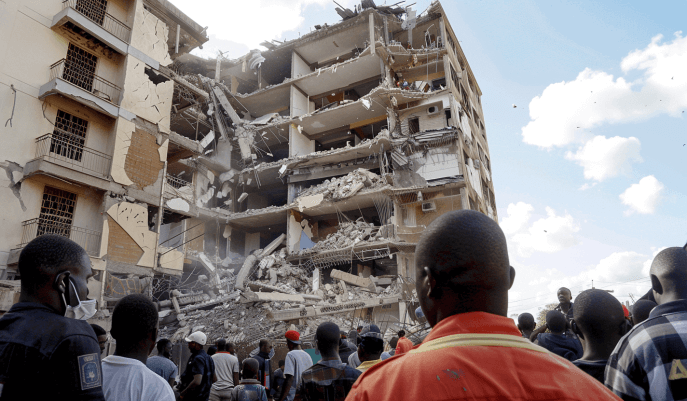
x,y
66,149
91,17
178,188
87,239
69,79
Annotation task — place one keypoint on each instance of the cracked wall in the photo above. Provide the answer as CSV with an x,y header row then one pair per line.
x,y
132,220
142,164
149,35
146,99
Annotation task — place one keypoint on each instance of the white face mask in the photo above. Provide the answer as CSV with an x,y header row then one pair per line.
x,y
83,311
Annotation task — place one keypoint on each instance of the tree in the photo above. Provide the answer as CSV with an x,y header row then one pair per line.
x,y
541,317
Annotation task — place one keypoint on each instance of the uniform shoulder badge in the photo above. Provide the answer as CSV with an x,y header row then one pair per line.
x,y
89,371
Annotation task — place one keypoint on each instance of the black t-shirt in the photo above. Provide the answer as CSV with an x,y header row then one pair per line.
x,y
45,356
594,369
199,363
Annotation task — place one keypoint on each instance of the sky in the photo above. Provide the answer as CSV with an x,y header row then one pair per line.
x,y
584,107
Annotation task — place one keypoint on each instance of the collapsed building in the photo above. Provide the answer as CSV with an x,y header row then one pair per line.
x,y
245,196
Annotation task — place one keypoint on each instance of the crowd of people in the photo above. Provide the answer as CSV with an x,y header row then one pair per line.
x,y
590,349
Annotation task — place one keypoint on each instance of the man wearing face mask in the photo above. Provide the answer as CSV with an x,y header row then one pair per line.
x,y
47,350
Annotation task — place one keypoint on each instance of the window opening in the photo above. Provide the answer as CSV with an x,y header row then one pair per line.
x,y
69,136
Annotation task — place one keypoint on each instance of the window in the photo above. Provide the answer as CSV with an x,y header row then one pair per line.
x,y
79,68
438,83
408,215
414,125
57,212
69,136
93,9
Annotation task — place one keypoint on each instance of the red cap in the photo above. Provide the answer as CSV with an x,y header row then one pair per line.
x,y
625,311
293,336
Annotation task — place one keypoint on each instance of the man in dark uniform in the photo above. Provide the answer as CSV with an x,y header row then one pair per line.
x,y
43,354
197,379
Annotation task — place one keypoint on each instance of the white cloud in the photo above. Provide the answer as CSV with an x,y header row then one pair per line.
x,y
248,22
644,196
587,186
564,110
604,158
550,234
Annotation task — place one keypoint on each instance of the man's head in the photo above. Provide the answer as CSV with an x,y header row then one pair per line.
x,y
564,295
54,270
250,368
196,341
164,348
359,329
221,345
293,339
265,346
134,324
230,348
555,321
462,265
401,333
641,310
393,342
372,344
101,335
327,339
281,364
343,334
526,322
599,319
212,350
669,275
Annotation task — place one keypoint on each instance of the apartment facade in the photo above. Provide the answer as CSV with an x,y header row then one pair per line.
x,y
87,92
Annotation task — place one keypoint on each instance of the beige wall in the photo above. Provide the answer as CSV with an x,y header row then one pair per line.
x,y
149,35
145,99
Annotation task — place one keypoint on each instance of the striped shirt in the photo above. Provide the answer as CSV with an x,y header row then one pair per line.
x,y
650,362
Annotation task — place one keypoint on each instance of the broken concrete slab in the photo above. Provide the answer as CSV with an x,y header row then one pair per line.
x,y
250,296
353,279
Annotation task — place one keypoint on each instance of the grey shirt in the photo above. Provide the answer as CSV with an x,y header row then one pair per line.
x,y
296,362
163,367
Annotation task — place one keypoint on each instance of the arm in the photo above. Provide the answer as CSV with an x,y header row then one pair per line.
x,y
236,378
77,369
537,332
288,382
263,394
197,379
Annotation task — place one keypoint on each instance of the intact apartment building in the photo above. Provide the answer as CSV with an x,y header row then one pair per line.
x,y
86,97
334,150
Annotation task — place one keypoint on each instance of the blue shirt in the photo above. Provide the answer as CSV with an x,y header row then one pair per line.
x,y
163,367
199,363
249,390
561,345
46,356
650,362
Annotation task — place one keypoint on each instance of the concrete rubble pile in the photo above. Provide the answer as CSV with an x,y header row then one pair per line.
x,y
344,187
349,234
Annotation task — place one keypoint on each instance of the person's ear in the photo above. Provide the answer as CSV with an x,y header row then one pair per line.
x,y
430,280
576,329
512,277
61,284
656,285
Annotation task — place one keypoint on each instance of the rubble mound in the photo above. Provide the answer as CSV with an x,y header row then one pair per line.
x,y
344,187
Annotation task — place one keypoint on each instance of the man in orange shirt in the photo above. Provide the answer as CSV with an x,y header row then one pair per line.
x,y
473,351
404,345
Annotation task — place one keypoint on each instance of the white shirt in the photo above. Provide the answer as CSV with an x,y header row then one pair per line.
x,y
126,379
225,366
296,362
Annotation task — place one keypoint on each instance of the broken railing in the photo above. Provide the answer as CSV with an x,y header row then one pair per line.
x,y
93,10
178,188
67,149
74,73
87,239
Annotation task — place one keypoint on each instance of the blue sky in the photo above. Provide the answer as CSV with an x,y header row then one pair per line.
x,y
577,204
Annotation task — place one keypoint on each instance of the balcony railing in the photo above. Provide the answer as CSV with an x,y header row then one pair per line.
x,y
86,80
87,239
93,11
178,188
65,148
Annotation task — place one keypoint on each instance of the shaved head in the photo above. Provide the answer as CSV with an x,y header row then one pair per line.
x,y
250,368
598,314
462,266
555,321
669,275
526,321
328,337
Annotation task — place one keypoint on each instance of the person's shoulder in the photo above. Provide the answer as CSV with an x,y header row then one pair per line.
x,y
349,371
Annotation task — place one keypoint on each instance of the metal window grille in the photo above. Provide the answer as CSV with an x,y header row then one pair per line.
x,y
69,136
93,9
79,67
57,212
